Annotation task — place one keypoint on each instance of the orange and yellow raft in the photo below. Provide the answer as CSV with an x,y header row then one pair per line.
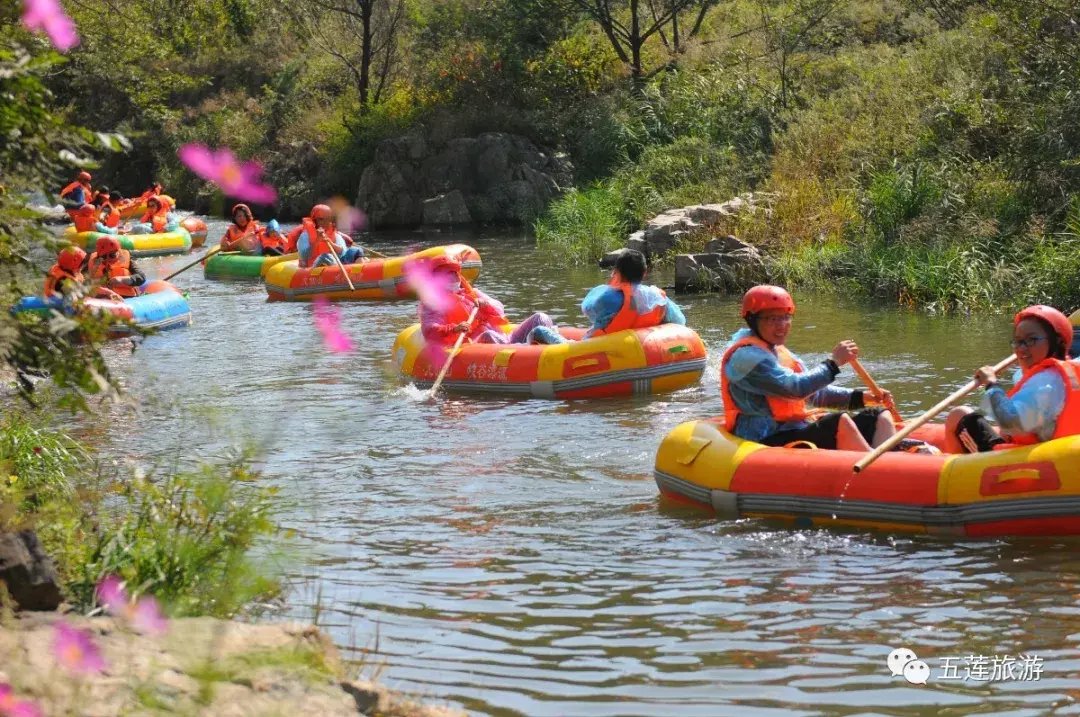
x,y
1031,490
371,279
632,362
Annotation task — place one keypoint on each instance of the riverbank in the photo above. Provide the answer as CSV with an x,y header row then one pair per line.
x,y
200,666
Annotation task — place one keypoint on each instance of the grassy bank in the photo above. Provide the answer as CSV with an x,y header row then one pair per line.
x,y
185,537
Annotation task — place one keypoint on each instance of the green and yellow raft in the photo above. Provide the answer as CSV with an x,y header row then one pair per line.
x,y
140,245
237,266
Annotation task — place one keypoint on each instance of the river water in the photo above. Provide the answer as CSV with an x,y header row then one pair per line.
x,y
511,556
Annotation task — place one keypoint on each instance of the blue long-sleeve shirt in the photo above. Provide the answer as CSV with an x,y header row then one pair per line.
x,y
1033,409
603,302
754,374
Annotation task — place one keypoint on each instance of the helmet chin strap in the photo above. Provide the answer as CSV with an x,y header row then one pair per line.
x,y
752,322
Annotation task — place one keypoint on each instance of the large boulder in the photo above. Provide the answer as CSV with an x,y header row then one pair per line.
x,y
731,272
499,177
449,208
27,572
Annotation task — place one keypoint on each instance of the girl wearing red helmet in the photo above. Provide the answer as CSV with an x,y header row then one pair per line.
x,y
66,274
317,236
770,394
77,193
158,217
1044,402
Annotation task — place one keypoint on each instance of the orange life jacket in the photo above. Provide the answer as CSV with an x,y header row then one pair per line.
x,y
275,241
85,222
1068,423
95,269
55,276
157,220
460,309
781,409
628,317
246,240
110,215
318,244
71,188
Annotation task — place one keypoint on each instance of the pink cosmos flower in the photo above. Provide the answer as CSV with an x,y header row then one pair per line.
x,y
76,651
144,614
347,218
146,617
235,179
112,595
430,288
328,322
11,707
49,16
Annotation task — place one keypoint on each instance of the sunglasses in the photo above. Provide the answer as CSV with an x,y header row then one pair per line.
x,y
1027,343
110,255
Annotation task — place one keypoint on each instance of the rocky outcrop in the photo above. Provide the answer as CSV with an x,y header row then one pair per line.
x,y
736,267
492,178
27,572
726,264
202,666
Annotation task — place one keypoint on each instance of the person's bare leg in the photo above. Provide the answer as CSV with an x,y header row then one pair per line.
x,y
883,429
952,422
848,437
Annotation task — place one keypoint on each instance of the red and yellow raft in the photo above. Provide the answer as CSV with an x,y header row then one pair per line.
x,y
632,362
1031,490
372,279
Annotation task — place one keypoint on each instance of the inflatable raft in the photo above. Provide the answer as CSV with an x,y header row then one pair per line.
x,y
197,229
372,279
133,211
633,362
160,307
1031,490
140,245
230,265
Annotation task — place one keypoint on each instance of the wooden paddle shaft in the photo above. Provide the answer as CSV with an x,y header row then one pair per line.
x,y
453,352
875,389
184,268
337,259
909,428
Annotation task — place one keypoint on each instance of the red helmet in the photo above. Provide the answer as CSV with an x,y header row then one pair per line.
x,y
87,210
444,261
70,259
83,177
106,245
764,297
1058,321
321,211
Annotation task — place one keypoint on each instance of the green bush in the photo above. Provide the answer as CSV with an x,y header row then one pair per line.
x,y
188,537
583,225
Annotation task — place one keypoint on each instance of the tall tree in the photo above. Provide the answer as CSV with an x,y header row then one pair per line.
x,y
628,24
364,39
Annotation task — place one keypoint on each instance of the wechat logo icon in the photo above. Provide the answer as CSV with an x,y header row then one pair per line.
x,y
903,661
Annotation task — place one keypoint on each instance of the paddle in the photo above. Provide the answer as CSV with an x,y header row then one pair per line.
x,y
207,255
909,428
337,259
876,390
453,352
